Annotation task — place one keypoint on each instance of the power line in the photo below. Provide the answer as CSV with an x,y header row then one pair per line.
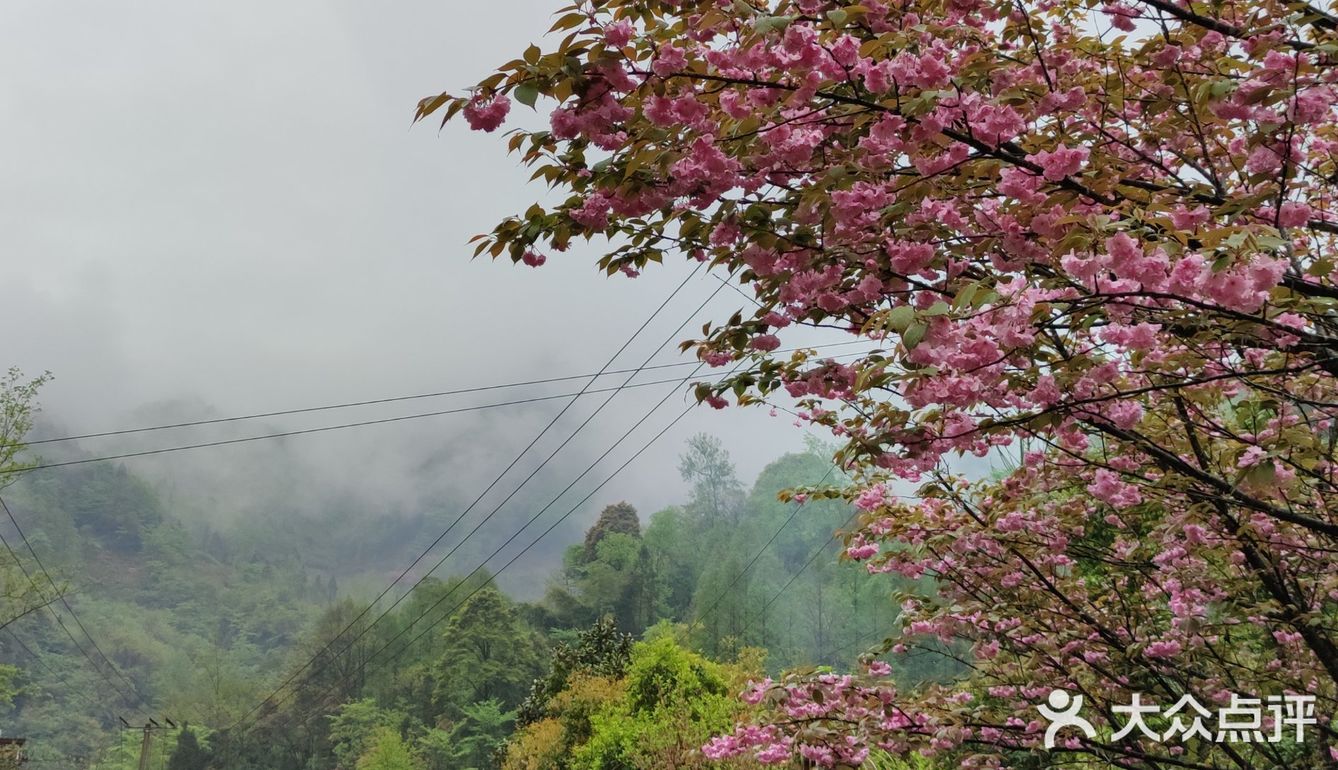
x,y
531,520
323,408
56,616
331,427
511,539
392,399
366,423
65,603
42,596
540,467
40,661
793,514
525,526
492,577
291,678
812,557
70,690
359,424
408,645
549,459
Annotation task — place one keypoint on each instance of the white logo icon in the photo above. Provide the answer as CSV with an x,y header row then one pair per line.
x,y
1063,712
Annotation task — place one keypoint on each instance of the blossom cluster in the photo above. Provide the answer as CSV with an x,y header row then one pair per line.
x,y
1099,258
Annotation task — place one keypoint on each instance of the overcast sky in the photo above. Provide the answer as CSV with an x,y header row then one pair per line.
x,y
223,207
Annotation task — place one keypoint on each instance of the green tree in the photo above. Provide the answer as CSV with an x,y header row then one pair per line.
x,y
386,750
601,650
670,702
477,738
354,729
674,556
435,749
609,574
664,706
716,492
189,754
489,653
18,406
620,518
615,582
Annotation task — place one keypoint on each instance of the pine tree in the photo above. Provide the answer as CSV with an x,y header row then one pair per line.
x,y
189,754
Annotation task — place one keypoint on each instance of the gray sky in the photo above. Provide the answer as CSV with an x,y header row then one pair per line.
x,y
225,204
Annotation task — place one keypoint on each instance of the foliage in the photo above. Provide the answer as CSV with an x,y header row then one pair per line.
x,y
387,751
601,650
435,750
357,727
18,397
655,716
716,491
188,754
19,596
207,631
618,518
610,574
1097,235
490,654
479,735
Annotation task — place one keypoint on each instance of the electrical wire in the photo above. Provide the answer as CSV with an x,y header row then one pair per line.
x,y
66,604
393,399
747,567
56,616
493,576
660,308
40,661
328,428
446,596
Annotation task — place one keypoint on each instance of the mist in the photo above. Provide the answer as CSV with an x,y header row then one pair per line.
x,y
219,211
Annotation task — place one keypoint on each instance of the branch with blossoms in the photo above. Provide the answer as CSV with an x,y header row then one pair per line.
x,y
1101,236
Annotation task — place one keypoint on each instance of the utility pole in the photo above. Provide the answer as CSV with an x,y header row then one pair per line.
x,y
144,748
146,745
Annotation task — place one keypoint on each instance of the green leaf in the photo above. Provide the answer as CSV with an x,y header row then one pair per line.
x,y
913,335
981,299
526,94
837,17
768,24
965,295
1261,475
900,318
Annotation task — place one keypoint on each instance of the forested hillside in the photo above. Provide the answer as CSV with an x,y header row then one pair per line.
x,y
250,640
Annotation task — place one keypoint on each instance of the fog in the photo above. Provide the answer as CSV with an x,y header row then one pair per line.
x,y
211,210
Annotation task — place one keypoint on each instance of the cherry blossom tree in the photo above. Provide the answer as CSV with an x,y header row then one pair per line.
x,y
1097,238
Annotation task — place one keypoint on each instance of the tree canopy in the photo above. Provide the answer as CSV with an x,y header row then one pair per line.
x,y
1095,239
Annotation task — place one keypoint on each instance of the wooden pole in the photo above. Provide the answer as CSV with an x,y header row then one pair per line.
x,y
144,748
